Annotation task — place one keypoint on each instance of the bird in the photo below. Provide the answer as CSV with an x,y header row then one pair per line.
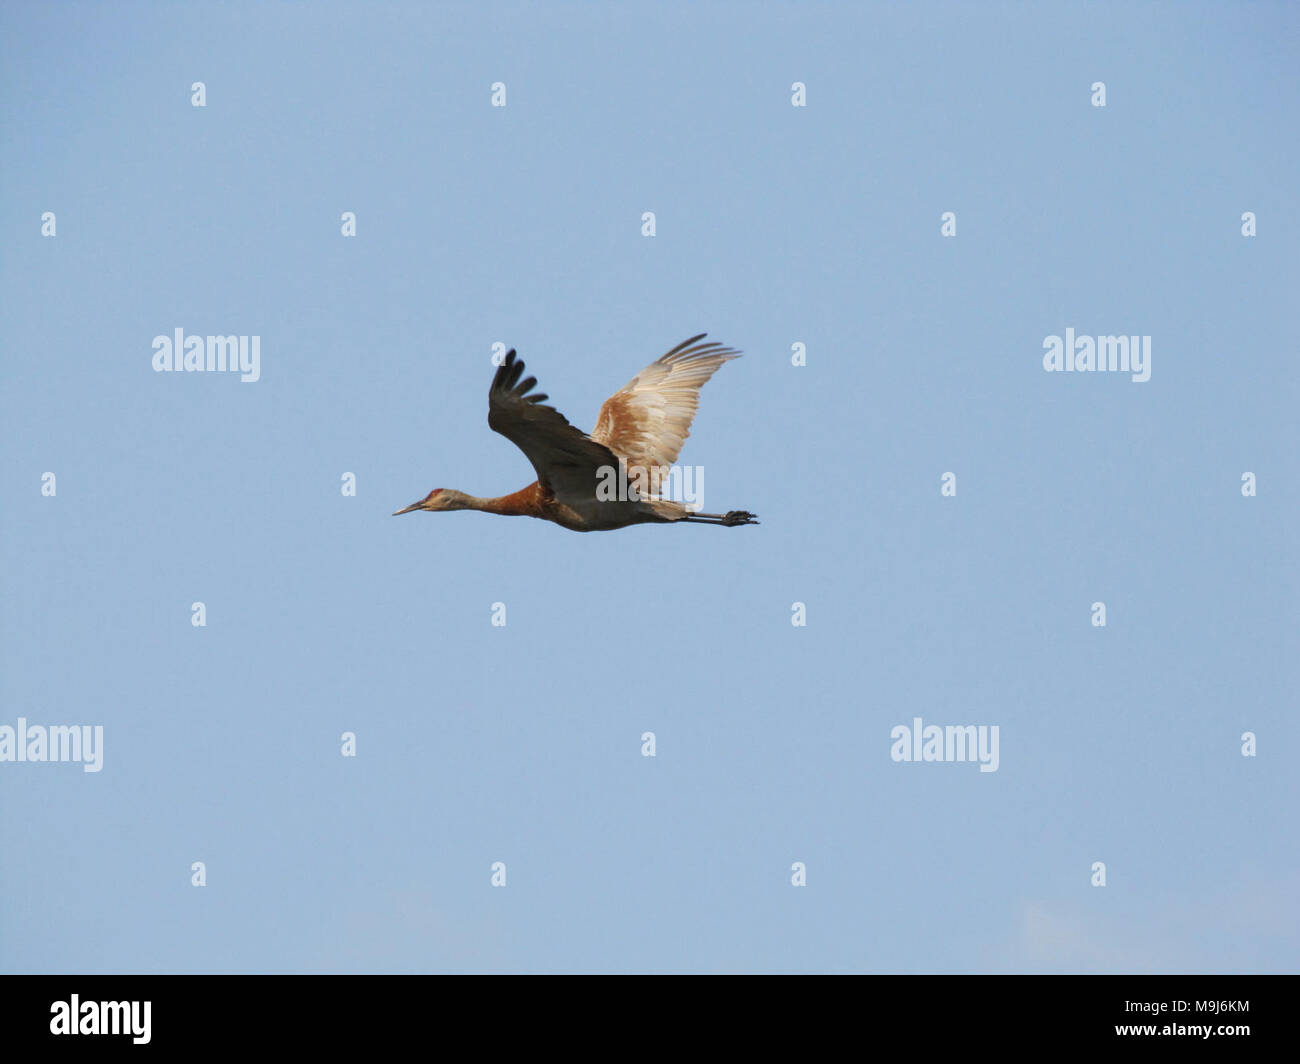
x,y
611,477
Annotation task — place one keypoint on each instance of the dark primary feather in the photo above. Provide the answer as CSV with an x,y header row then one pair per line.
x,y
565,458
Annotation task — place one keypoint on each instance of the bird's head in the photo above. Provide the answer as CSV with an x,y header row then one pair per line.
x,y
438,499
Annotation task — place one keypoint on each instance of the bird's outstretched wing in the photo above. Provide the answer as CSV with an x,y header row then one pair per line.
x,y
647,420
567,460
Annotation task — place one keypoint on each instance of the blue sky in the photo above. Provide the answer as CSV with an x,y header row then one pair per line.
x,y
775,225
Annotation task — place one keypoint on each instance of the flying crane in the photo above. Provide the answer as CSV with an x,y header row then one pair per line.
x,y
638,435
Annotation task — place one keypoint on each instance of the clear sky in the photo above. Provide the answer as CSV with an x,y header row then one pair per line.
x,y
775,225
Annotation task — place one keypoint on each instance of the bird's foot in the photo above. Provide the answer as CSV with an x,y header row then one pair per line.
x,y
739,517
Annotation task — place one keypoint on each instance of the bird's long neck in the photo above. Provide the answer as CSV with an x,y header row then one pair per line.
x,y
523,503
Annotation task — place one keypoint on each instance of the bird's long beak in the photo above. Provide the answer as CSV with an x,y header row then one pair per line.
x,y
407,510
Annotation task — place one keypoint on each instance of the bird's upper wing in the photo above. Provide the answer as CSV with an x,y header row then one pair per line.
x,y
567,460
647,420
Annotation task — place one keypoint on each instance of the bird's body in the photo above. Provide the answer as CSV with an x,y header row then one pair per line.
x,y
638,435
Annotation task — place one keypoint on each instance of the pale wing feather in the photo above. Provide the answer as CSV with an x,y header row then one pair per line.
x,y
646,422
566,459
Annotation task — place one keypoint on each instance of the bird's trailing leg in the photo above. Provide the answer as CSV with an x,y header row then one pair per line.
x,y
731,517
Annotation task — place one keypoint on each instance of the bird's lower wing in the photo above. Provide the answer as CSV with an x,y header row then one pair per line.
x,y
568,461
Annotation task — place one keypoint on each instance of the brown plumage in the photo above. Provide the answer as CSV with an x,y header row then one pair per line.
x,y
639,433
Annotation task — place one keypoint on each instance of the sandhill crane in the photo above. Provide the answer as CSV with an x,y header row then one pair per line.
x,y
640,432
